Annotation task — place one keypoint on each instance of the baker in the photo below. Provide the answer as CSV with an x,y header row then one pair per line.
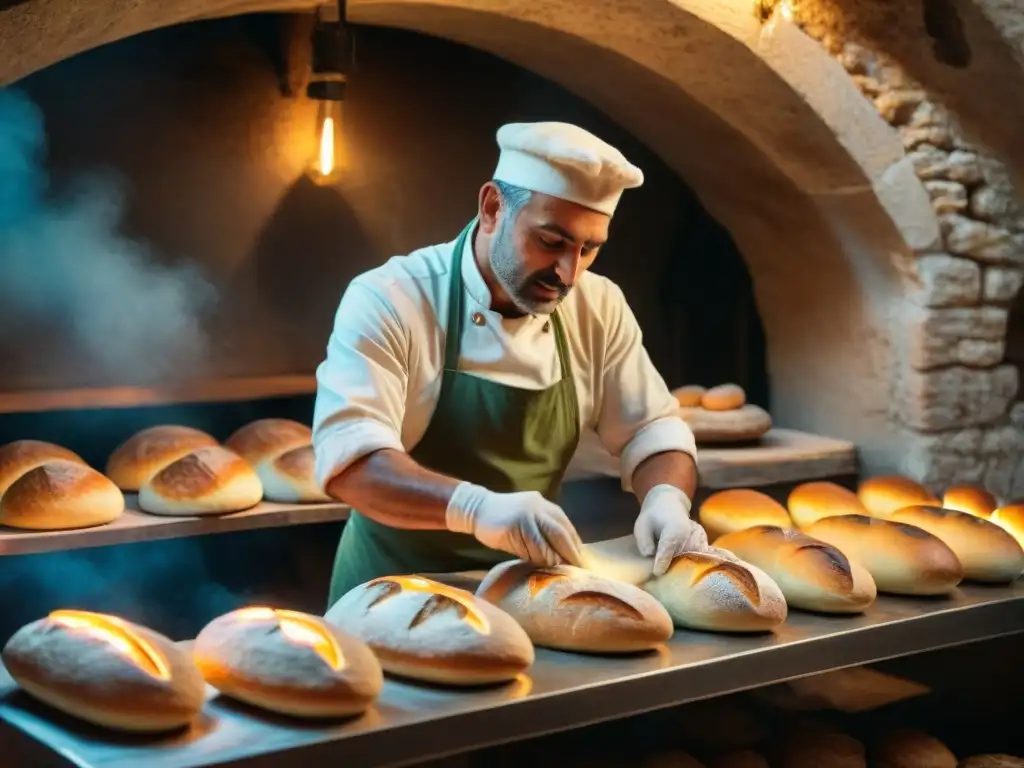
x,y
458,379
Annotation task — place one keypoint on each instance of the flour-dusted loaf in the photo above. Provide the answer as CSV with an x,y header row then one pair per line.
x,y
148,451
911,749
986,551
573,609
813,575
883,495
706,591
724,397
748,422
739,508
1011,519
61,495
902,559
106,671
288,662
19,457
265,439
208,481
970,499
810,502
689,396
291,477
424,630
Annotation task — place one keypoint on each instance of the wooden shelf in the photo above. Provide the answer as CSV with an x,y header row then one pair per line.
x,y
204,391
781,456
135,526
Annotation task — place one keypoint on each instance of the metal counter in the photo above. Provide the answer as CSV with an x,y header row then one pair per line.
x,y
411,723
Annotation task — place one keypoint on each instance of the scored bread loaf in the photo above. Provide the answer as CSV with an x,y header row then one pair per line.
x,y
424,630
288,662
106,671
986,551
724,397
264,439
911,749
969,499
810,502
61,495
290,478
883,495
571,609
21,456
689,396
209,481
813,575
902,559
148,451
739,508
1011,519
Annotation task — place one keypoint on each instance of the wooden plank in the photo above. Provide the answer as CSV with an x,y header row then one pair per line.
x,y
203,391
135,525
781,456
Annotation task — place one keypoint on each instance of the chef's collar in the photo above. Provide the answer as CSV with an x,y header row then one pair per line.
x,y
472,280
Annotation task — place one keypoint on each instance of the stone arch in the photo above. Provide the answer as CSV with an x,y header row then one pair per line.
x,y
768,130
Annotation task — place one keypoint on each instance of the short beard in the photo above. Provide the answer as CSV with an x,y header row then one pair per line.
x,y
508,271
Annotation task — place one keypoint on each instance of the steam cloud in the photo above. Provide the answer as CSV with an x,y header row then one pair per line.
x,y
64,263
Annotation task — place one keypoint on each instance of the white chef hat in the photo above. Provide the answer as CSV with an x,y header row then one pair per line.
x,y
565,161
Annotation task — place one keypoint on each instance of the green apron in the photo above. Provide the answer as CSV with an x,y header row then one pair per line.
x,y
503,438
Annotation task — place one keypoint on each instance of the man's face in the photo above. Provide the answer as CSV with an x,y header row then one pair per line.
x,y
538,256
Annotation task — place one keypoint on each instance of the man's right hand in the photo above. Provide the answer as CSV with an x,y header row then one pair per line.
x,y
524,524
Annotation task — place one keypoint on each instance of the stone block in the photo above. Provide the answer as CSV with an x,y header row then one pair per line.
x,y
947,281
947,196
999,474
980,240
979,353
929,162
936,135
897,107
964,167
955,397
1002,283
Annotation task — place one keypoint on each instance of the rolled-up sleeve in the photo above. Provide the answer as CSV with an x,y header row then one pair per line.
x,y
361,385
638,416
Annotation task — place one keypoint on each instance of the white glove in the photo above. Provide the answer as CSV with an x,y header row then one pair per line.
x,y
524,524
664,528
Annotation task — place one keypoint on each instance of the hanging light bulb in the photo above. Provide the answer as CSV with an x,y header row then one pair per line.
x,y
327,85
329,160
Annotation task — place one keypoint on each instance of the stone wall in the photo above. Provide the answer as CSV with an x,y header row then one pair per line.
x,y
959,399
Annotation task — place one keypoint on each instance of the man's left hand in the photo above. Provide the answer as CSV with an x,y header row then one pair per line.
x,y
664,528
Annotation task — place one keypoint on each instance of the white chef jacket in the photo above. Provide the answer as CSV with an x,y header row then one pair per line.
x,y
379,384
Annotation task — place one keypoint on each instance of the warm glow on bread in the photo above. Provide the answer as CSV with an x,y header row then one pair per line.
x,y
810,502
208,481
724,397
572,609
739,508
881,496
986,551
819,747
288,662
291,477
60,495
265,439
689,396
902,559
973,501
19,457
705,591
1011,519
148,451
106,671
911,749
425,630
812,574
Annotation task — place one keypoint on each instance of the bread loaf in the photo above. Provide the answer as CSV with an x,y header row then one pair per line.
x,y
911,749
748,422
724,397
291,477
902,559
882,496
810,502
812,574
60,495
106,671
424,630
19,457
986,551
739,508
744,758
817,748
973,501
705,591
265,439
208,481
993,761
574,610
1011,520
148,451
689,396
288,662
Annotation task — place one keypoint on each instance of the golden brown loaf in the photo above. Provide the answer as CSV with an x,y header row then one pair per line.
x,y
809,502
993,761
902,559
208,481
883,495
61,495
748,422
986,551
820,747
744,758
424,630
689,396
574,610
739,508
265,439
106,671
969,499
911,749
290,478
705,591
288,662
1011,519
19,457
724,397
812,574
148,451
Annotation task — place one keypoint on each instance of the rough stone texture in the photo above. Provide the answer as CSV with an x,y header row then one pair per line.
x,y
1002,284
957,397
947,196
970,336
947,281
985,242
